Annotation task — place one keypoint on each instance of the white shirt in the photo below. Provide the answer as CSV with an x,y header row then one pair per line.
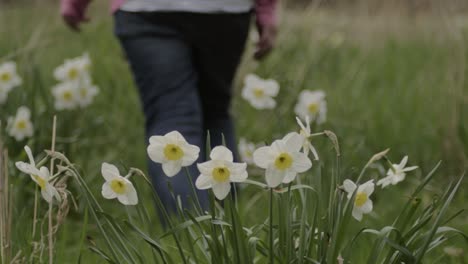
x,y
197,6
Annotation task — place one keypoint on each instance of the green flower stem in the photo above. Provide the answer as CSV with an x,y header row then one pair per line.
x,y
271,226
194,191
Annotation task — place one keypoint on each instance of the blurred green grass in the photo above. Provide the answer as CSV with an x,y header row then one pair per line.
x,y
390,82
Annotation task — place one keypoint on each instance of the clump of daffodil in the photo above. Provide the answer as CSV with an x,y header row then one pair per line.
x,y
246,150
312,104
219,172
260,93
306,135
40,176
9,79
117,186
76,88
73,69
396,174
362,202
172,151
282,160
20,126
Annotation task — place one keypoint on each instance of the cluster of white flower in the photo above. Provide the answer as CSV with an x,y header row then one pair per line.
x,y
9,79
284,159
76,88
362,202
260,94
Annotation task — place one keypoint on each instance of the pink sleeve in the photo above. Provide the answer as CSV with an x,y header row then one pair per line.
x,y
265,12
75,8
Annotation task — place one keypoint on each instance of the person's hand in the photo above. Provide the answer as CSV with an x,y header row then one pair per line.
x,y
266,41
73,14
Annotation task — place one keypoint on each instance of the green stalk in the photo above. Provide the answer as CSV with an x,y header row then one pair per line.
x,y
194,192
271,227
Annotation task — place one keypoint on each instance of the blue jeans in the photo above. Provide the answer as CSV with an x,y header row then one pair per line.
x,y
183,65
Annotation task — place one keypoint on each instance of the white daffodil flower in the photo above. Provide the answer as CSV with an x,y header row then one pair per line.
x,y
39,176
20,126
313,105
117,186
306,135
259,93
172,151
246,150
85,92
73,69
219,172
362,201
282,160
396,174
9,79
66,96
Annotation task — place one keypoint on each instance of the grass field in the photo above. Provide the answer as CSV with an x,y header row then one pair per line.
x,y
391,82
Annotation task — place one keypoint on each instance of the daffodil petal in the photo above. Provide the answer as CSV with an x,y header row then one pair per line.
x,y
349,187
221,190
131,194
26,167
262,157
366,207
30,155
239,177
203,182
161,140
357,214
221,153
155,153
290,176
109,171
293,141
175,135
44,173
403,162
191,153
410,168
273,177
301,162
107,191
171,168
367,187
206,168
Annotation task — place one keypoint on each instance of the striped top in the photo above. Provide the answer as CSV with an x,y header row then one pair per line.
x,y
198,6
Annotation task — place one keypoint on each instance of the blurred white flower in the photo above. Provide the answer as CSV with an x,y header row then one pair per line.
x,y
259,93
396,174
246,150
282,160
9,79
39,176
219,172
20,126
73,69
172,151
362,201
306,135
86,92
66,96
117,186
313,105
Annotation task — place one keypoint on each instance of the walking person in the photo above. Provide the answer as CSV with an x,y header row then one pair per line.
x,y
183,55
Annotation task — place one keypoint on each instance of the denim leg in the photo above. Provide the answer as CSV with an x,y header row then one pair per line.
x,y
161,63
217,52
